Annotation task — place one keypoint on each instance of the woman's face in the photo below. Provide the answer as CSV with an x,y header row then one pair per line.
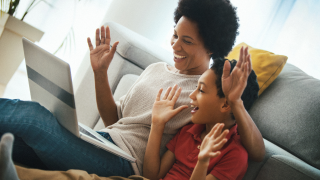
x,y
190,55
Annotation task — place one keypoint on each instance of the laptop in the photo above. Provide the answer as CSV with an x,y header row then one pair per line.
x,y
50,84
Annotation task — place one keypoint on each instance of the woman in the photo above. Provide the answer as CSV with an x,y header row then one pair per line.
x,y
204,29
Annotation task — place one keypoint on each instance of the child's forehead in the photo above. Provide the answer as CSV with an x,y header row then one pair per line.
x,y
208,78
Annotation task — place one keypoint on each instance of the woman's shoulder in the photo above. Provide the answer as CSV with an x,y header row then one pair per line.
x,y
156,65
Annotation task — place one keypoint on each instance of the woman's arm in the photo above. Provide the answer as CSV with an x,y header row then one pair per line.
x,y
100,58
162,112
233,85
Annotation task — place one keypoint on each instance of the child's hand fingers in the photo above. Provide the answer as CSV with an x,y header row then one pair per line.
x,y
159,94
214,154
226,69
240,58
167,93
176,95
178,109
220,144
222,135
172,93
213,129
250,63
218,131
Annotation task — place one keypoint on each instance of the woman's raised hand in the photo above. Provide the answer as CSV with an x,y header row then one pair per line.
x,y
102,55
234,83
162,110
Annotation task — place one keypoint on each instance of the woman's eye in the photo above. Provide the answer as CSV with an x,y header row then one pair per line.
x,y
187,42
175,36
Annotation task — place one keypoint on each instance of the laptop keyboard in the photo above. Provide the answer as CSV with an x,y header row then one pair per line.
x,y
82,130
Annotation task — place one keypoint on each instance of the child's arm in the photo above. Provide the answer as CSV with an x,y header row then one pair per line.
x,y
233,86
210,147
162,112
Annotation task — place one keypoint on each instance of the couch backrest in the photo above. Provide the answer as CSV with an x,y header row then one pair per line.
x,y
134,53
288,114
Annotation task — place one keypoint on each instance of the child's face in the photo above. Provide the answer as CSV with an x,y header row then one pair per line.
x,y
206,101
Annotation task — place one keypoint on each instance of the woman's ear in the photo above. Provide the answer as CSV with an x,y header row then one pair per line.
x,y
225,107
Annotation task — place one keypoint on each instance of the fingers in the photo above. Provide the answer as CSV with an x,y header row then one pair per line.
x,y
214,154
167,93
220,144
103,35
226,69
173,92
250,64
176,95
97,37
108,39
159,94
89,44
177,110
217,132
240,58
114,48
215,127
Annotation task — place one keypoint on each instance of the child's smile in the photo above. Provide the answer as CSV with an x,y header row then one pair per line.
x,y
205,100
194,110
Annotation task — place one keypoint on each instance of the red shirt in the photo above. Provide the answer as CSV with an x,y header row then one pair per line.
x,y
232,163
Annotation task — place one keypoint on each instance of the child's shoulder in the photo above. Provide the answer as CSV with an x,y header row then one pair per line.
x,y
236,147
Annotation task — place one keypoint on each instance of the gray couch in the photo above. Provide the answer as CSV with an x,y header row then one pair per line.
x,y
287,113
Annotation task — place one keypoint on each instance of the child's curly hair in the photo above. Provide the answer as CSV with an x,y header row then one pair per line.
x,y
217,23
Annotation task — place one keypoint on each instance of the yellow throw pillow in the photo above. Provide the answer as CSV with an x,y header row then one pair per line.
x,y
265,64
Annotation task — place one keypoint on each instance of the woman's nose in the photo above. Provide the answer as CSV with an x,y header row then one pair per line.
x,y
175,45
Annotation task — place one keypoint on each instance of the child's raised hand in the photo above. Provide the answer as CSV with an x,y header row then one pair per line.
x,y
162,110
234,83
212,143
102,55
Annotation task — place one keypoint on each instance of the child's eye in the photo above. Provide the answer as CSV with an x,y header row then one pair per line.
x,y
175,36
199,89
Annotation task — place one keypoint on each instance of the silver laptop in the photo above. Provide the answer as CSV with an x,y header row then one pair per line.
x,y
50,84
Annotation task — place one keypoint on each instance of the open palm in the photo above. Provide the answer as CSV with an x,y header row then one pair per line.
x,y
102,55
212,143
234,83
163,110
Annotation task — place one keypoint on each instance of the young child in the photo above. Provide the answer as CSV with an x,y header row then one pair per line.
x,y
210,148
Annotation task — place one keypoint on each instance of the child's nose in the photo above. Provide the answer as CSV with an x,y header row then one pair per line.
x,y
192,96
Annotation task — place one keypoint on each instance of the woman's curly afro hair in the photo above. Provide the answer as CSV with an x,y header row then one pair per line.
x,y
217,23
